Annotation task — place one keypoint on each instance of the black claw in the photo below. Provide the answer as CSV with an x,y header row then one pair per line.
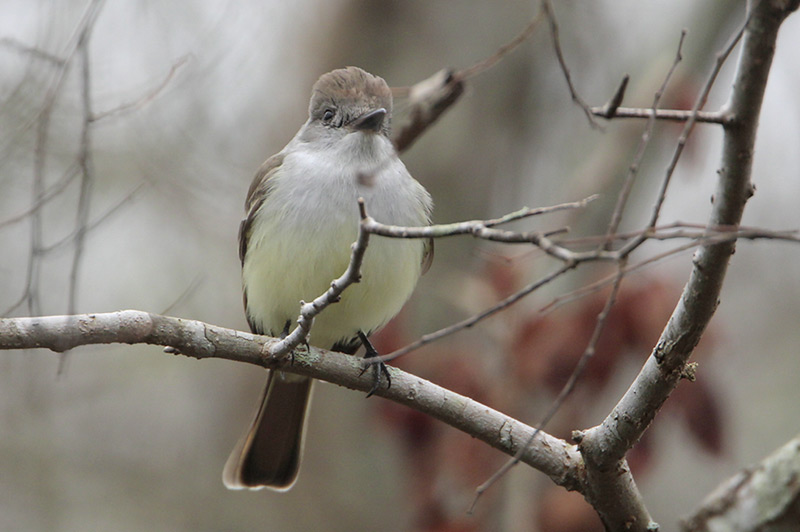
x,y
378,368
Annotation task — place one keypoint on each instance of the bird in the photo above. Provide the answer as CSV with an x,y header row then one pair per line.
x,y
302,216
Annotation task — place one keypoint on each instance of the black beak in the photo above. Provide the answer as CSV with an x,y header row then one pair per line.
x,y
370,121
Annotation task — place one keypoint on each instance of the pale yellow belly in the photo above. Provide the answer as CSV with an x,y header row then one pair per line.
x,y
281,269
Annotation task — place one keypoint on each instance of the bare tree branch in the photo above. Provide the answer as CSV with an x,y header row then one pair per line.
x,y
684,136
146,98
697,238
554,33
428,100
673,115
559,249
51,192
40,193
431,97
633,169
489,62
597,467
30,50
554,457
570,259
605,446
87,174
87,170
472,320
764,497
566,390
609,110
93,224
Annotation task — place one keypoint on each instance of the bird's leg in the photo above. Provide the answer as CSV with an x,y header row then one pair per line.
x,y
284,334
378,367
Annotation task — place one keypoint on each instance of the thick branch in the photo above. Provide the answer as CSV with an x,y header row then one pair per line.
x,y
554,457
605,446
428,100
765,497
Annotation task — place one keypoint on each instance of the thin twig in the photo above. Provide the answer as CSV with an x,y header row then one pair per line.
x,y
609,110
431,97
31,291
633,169
554,33
698,237
489,62
565,392
308,311
147,97
94,224
51,192
588,353
684,136
475,318
30,50
482,229
673,115
87,180
694,231
471,226
183,296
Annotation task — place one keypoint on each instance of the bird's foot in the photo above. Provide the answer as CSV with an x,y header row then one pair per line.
x,y
378,367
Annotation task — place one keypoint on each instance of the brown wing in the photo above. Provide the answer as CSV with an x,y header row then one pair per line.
x,y
259,190
427,256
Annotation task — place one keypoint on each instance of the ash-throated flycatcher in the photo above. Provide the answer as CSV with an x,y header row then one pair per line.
x,y
302,217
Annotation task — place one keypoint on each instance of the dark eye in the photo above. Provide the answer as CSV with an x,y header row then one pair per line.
x,y
328,115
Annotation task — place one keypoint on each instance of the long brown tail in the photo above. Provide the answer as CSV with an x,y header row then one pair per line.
x,y
269,453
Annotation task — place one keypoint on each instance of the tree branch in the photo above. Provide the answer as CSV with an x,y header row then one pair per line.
x,y
604,446
428,100
77,43
597,466
565,392
633,169
547,6
763,497
554,457
672,115
431,97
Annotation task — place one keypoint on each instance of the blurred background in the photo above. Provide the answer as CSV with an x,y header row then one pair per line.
x,y
128,438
